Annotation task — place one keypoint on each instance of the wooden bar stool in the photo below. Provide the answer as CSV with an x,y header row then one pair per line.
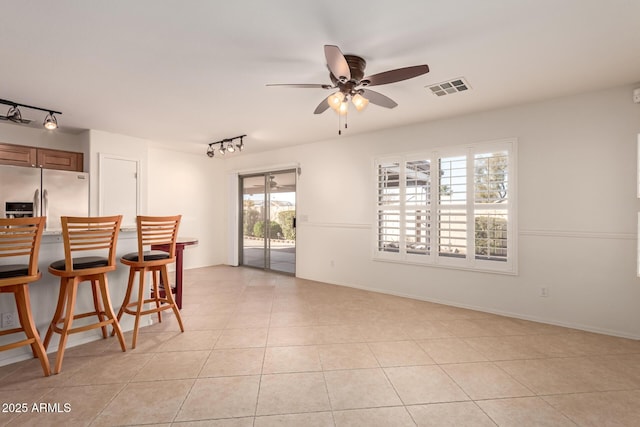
x,y
20,238
152,230
99,235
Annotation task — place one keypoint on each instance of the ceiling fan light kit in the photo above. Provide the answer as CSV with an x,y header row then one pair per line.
x,y
346,73
15,115
226,146
360,102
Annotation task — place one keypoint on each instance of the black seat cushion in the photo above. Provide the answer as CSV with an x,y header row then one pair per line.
x,y
82,263
15,270
148,256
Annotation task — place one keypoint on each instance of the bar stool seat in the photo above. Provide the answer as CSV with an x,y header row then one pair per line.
x,y
147,256
20,237
152,230
15,270
85,234
81,263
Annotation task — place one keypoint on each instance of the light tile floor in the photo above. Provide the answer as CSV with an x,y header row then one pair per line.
x,y
263,349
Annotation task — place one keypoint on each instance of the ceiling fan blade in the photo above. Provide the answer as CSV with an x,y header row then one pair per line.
x,y
304,85
397,75
379,99
337,63
322,107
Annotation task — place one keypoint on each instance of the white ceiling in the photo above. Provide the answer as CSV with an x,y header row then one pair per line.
x,y
185,73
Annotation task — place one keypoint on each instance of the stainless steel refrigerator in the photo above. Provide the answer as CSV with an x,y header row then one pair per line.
x,y
43,192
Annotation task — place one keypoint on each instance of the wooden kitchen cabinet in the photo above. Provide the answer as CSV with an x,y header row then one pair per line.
x,y
22,155
18,155
57,159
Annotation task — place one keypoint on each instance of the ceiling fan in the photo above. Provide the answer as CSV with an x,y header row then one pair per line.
x,y
272,183
347,76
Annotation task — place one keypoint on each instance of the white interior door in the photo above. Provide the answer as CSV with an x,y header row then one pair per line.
x,y
119,188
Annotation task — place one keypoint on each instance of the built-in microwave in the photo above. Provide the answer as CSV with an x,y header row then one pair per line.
x,y
18,209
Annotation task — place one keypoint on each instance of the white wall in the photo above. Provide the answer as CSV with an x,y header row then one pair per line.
x,y
11,133
577,211
194,186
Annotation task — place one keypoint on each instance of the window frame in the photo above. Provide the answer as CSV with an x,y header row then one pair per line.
x,y
469,261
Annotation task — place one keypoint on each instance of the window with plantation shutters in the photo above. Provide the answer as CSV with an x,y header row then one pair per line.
x,y
449,207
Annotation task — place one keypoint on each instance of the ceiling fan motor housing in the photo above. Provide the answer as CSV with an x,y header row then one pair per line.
x,y
356,68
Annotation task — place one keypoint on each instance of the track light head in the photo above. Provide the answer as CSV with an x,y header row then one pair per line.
x,y
14,114
50,122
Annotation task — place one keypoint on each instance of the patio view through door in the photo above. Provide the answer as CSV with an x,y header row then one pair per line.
x,y
268,221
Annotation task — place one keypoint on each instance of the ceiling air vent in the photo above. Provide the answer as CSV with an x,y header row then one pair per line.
x,y
449,87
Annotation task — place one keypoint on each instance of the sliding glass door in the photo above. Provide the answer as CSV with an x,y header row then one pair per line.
x,y
268,234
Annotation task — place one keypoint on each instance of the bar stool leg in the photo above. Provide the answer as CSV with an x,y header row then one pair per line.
x,y
23,304
72,291
139,305
156,293
57,316
108,309
98,306
169,295
127,296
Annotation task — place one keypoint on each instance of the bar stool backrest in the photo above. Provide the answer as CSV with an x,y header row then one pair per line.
x,y
158,230
90,234
21,237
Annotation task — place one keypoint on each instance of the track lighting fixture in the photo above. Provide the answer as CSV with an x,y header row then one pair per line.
x,y
15,115
226,146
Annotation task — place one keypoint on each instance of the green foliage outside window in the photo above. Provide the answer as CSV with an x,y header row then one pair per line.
x,y
491,237
275,229
285,218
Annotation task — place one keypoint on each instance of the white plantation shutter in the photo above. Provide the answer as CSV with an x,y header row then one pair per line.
x,y
388,206
417,206
454,209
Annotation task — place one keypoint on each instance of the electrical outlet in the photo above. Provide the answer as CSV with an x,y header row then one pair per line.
x,y
9,320
544,292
